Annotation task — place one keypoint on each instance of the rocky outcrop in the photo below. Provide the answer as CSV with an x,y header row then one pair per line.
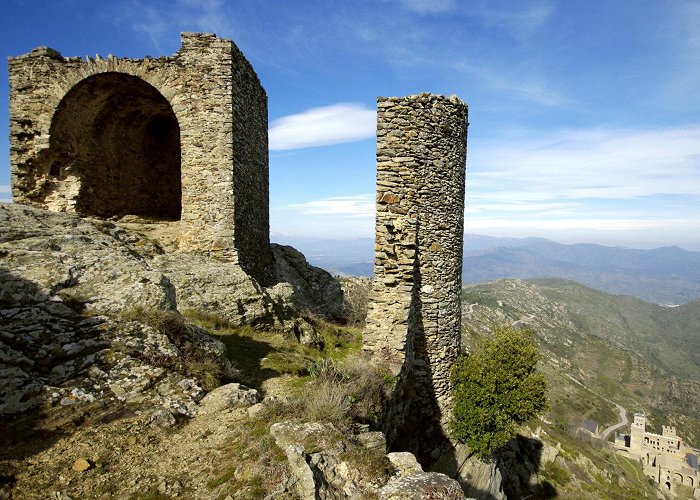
x,y
314,290
328,473
514,472
77,298
411,482
479,479
95,266
325,473
228,396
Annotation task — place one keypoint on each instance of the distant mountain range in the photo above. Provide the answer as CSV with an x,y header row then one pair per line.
x,y
667,275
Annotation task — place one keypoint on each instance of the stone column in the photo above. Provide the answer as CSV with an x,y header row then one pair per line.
x,y
414,318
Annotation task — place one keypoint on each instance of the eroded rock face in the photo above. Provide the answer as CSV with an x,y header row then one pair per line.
x,y
315,290
72,290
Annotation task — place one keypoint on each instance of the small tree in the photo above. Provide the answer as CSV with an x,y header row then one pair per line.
x,y
496,389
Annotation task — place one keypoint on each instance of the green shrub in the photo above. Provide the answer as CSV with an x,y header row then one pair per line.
x,y
496,389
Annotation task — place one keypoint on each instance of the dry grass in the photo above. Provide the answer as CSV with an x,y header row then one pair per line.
x,y
345,393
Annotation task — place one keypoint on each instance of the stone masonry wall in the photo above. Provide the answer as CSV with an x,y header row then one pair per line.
x,y
414,316
181,137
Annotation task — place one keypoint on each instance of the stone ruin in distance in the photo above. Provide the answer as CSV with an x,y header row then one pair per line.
x,y
184,138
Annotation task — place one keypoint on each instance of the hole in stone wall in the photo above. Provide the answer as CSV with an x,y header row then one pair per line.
x,y
119,136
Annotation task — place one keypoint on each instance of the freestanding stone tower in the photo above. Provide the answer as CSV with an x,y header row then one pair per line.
x,y
180,138
414,317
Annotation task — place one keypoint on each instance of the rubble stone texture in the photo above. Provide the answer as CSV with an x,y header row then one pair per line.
x,y
414,314
179,138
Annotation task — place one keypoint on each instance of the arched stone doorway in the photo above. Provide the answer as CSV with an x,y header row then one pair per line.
x,y
179,138
118,139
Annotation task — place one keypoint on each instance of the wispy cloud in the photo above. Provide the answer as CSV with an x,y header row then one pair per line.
x,y
592,164
322,126
513,82
681,68
361,205
429,6
159,20
519,21
5,188
619,186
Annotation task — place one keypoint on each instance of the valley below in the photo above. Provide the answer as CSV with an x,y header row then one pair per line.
x,y
599,348
605,358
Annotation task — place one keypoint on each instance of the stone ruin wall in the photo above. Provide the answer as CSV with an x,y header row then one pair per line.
x,y
414,318
180,138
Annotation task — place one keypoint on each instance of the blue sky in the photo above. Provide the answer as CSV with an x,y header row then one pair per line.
x,y
584,115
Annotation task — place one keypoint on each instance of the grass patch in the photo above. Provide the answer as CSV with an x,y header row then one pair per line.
x,y
207,319
344,393
263,354
251,466
369,462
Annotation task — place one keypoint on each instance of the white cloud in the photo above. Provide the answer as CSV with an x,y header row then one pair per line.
x,y
322,126
361,205
5,188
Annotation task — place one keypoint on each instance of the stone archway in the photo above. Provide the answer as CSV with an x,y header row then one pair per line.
x,y
117,140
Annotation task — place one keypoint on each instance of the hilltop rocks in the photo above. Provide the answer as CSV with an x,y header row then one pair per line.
x,y
314,290
75,296
228,396
327,474
94,264
205,284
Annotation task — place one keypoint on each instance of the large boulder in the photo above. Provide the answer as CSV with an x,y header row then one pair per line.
x,y
72,259
480,479
411,482
314,289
